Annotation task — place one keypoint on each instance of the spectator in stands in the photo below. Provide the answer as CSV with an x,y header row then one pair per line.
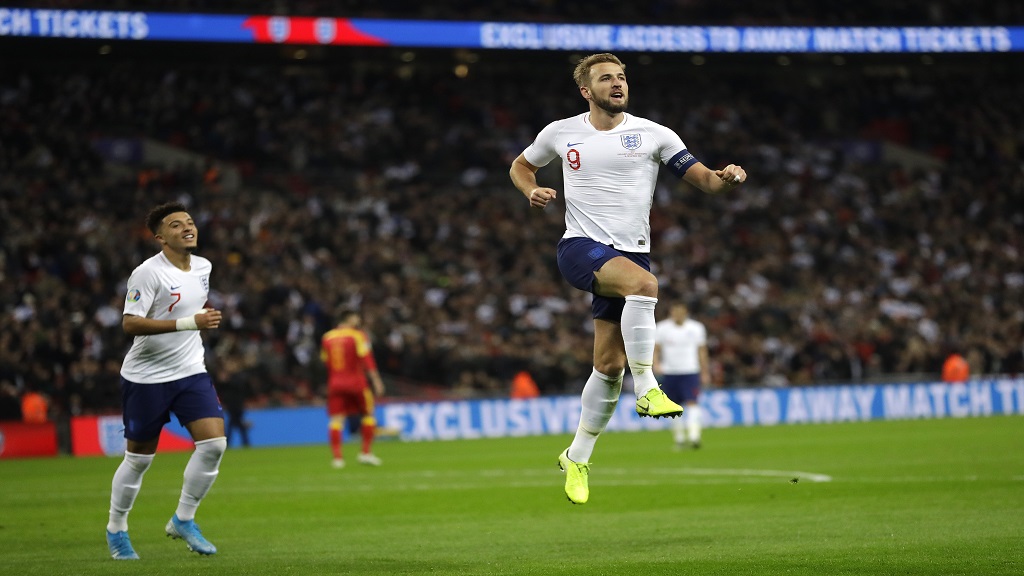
x,y
35,408
10,404
524,386
955,368
827,245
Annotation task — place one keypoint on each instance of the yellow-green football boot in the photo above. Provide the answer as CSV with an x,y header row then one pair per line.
x,y
577,476
657,405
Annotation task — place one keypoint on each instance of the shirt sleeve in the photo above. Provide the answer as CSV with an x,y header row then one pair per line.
x,y
671,150
365,351
542,151
669,143
139,299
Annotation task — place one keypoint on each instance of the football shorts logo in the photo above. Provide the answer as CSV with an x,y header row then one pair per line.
x,y
630,141
134,295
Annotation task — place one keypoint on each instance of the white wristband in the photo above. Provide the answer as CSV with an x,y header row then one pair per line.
x,y
186,323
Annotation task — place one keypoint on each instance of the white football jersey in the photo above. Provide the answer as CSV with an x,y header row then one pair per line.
x,y
158,289
679,344
609,176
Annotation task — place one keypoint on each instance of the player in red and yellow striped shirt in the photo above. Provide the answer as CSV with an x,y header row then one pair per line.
x,y
347,353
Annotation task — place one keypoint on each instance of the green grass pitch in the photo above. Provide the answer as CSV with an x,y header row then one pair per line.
x,y
904,497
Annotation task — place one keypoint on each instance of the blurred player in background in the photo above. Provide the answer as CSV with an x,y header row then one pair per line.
x,y
681,358
165,372
347,353
610,161
233,386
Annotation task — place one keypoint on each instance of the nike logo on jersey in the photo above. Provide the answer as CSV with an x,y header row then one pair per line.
x,y
571,144
175,287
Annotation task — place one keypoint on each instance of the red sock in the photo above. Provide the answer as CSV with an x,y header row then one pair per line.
x,y
335,436
368,430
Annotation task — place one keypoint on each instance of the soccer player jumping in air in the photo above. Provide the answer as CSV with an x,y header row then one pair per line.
x,y
610,161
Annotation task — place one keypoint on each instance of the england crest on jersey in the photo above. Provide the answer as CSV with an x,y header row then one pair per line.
x,y
630,141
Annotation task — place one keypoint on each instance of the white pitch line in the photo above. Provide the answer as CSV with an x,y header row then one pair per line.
x,y
911,479
755,472
469,484
723,472
428,480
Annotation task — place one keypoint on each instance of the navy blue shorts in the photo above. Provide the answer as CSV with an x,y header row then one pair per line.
x,y
579,258
681,388
147,407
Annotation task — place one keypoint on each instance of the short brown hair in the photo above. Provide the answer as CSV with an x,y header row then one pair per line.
x,y
582,73
345,314
156,215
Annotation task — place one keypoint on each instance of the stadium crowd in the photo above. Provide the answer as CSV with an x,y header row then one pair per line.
x,y
387,190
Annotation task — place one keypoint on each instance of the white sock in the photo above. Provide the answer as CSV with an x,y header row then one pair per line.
x,y
599,398
638,329
200,472
125,487
678,430
692,421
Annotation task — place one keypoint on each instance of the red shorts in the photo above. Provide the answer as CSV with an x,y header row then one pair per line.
x,y
348,402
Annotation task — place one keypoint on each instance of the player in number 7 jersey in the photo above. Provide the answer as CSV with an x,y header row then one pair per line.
x,y
164,372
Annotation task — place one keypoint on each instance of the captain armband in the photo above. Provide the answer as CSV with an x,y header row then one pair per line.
x,y
681,162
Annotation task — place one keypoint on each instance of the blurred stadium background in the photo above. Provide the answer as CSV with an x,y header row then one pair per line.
x,y
882,227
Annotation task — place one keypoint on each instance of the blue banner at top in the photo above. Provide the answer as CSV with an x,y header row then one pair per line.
x,y
303,30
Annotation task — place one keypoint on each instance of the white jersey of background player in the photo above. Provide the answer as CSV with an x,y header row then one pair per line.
x,y
681,357
680,345
611,200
